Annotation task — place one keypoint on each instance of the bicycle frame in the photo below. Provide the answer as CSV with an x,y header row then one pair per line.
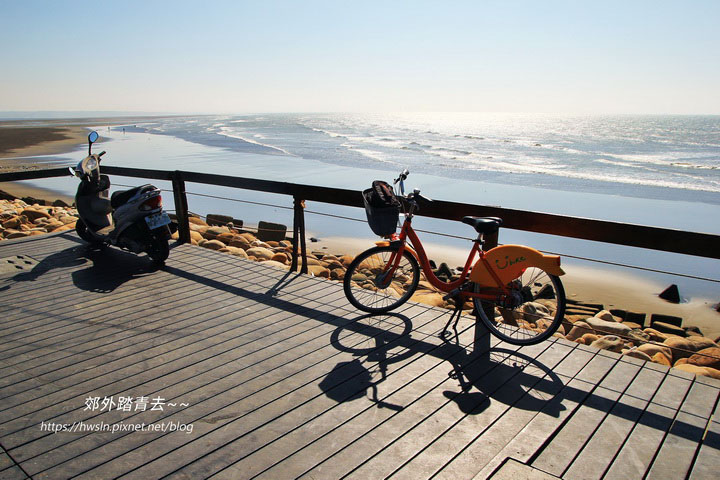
x,y
408,234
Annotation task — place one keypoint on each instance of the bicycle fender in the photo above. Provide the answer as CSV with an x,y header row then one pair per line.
x,y
408,248
509,261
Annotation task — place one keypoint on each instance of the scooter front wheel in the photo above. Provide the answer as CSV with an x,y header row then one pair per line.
x,y
83,233
158,250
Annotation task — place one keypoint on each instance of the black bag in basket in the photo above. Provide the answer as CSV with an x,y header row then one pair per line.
x,y
382,208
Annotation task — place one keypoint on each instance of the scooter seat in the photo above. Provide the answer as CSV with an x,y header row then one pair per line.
x,y
122,196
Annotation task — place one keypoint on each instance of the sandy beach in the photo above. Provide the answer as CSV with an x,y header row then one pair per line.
x,y
614,290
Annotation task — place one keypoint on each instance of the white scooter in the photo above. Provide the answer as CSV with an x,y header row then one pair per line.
x,y
130,219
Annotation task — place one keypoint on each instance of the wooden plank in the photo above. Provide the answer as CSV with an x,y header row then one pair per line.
x,y
449,455
160,313
257,365
526,408
288,399
635,456
707,463
268,386
150,366
559,453
388,396
350,453
558,409
676,455
600,451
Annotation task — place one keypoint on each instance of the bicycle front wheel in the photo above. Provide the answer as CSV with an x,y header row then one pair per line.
x,y
530,314
377,281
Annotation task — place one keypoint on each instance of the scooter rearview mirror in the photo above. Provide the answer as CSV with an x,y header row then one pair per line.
x,y
92,138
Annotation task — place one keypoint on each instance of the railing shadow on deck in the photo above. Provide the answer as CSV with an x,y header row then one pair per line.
x,y
525,382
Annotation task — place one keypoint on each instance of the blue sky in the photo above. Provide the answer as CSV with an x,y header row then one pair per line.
x,y
280,56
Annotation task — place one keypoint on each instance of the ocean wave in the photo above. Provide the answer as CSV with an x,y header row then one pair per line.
x,y
693,183
225,131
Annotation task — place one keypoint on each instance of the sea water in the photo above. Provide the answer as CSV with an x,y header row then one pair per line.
x,y
651,170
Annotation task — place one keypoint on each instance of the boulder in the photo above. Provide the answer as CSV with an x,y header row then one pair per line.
x,y
275,264
280,257
67,219
319,271
638,337
704,371
655,335
260,253
213,244
707,357
588,338
652,349
428,298
635,353
13,222
579,329
70,226
610,327
12,235
212,232
612,343
33,214
685,347
225,237
240,242
607,316
661,359
238,252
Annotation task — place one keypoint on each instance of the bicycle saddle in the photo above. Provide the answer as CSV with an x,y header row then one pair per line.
x,y
483,224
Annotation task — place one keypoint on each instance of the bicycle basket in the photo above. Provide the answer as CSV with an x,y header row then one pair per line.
x,y
383,211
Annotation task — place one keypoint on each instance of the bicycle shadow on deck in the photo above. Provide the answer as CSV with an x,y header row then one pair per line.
x,y
478,377
378,341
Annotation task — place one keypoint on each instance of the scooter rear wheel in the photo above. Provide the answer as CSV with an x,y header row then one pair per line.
x,y
158,251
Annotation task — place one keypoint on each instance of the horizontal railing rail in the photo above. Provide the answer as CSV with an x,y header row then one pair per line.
x,y
654,238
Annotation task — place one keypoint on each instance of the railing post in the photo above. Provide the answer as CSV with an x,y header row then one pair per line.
x,y
299,235
481,342
181,207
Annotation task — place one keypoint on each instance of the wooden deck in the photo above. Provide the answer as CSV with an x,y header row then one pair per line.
x,y
279,377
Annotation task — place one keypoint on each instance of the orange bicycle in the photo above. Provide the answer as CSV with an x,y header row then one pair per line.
x,y
515,289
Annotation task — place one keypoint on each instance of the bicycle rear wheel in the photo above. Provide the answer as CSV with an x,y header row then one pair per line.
x,y
372,286
532,313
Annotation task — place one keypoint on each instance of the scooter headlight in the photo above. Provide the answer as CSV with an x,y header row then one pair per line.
x,y
91,164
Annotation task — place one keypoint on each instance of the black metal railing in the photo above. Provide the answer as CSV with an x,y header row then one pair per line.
x,y
654,238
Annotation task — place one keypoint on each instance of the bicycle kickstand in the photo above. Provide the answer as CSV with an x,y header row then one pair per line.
x,y
456,315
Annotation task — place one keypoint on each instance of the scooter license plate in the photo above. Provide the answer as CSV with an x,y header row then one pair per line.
x,y
158,220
